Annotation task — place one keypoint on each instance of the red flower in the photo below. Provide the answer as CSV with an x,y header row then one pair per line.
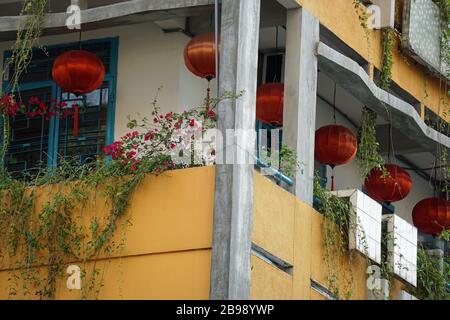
x,y
114,150
211,114
131,154
192,122
149,136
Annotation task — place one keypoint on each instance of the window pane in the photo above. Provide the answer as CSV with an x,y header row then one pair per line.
x,y
91,127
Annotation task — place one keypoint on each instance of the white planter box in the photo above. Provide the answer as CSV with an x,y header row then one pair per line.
x,y
402,248
365,233
383,14
403,295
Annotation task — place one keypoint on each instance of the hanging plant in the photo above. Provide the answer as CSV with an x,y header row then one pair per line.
x,y
444,15
286,158
361,12
368,147
28,34
431,279
387,59
336,224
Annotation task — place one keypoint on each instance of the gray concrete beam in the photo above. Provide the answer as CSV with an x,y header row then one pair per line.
x,y
58,20
299,119
233,207
405,118
289,4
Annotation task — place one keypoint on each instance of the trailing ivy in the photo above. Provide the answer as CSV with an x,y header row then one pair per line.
x,y
285,158
28,34
368,155
444,15
361,12
387,59
53,235
431,279
337,223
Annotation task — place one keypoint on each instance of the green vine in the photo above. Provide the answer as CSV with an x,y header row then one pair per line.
x,y
28,34
432,280
361,12
53,236
387,59
444,16
368,147
337,223
287,157
29,31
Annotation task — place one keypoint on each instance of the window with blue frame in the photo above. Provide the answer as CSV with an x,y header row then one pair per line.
x,y
36,143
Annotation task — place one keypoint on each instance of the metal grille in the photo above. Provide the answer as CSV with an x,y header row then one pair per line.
x,y
29,138
92,127
37,143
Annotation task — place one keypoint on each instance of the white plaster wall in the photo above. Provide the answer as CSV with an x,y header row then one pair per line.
x,y
147,60
347,176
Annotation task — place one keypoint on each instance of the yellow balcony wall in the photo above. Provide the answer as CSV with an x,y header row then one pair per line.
x,y
292,231
167,252
167,247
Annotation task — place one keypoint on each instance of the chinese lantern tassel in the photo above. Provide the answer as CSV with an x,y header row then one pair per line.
x,y
332,178
208,95
75,122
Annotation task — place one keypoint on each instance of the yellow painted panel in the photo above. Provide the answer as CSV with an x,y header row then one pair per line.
x,y
178,275
273,218
308,262
268,282
302,251
349,269
316,296
171,212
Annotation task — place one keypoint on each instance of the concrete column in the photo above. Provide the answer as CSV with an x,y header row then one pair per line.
x,y
230,269
302,38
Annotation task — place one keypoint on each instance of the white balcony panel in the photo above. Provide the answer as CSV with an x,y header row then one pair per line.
x,y
365,232
402,246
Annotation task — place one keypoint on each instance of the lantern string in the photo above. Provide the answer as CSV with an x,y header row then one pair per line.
x,y
334,102
435,177
389,141
75,121
275,78
211,17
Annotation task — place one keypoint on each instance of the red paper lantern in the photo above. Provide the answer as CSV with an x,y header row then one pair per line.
x,y
78,71
394,187
199,56
269,103
335,145
432,215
